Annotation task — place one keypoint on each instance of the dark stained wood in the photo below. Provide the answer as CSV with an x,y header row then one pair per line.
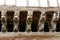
x,y
47,25
0,21
10,25
35,19
58,26
22,20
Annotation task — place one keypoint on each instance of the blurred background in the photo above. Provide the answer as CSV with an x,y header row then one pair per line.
x,y
39,3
